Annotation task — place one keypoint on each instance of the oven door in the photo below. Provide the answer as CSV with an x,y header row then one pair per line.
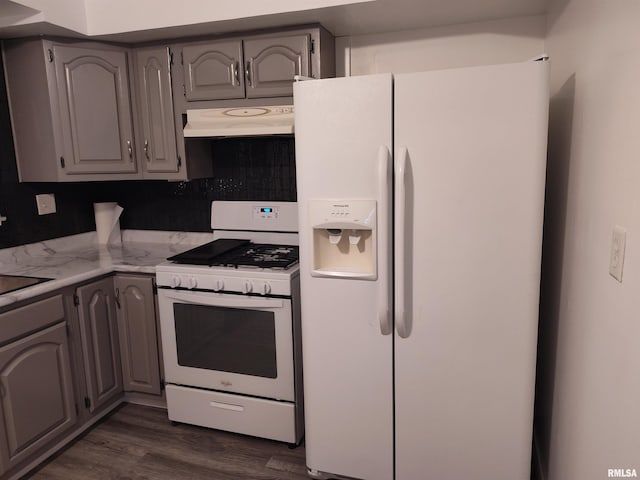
x,y
232,343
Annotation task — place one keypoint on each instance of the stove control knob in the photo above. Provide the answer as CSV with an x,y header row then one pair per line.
x,y
175,281
192,282
266,288
218,285
248,287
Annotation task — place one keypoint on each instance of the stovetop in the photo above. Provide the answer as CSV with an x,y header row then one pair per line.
x,y
237,253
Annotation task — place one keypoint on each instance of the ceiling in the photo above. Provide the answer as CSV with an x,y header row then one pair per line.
x,y
368,16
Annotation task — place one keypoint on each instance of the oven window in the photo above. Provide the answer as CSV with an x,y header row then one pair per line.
x,y
226,339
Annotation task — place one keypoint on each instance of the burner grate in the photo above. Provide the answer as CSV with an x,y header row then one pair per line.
x,y
259,256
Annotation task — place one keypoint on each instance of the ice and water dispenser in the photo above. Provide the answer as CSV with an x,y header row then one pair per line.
x,y
344,238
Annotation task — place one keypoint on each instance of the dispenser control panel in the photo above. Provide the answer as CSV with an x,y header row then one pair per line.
x,y
344,213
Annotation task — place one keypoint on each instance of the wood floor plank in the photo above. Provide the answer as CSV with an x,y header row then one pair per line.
x,y
139,443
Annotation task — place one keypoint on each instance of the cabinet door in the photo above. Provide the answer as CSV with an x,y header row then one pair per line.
x,y
153,77
213,71
95,110
271,64
100,344
37,401
137,327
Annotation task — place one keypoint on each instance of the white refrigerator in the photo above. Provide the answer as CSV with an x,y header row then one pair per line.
x,y
420,220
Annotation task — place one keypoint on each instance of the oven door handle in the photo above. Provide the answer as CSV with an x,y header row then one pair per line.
x,y
214,300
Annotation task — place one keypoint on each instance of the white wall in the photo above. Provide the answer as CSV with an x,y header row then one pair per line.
x,y
113,16
588,415
480,43
69,14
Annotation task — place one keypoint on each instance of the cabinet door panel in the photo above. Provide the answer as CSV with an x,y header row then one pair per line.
x,y
153,77
213,71
100,347
95,110
273,62
37,401
138,335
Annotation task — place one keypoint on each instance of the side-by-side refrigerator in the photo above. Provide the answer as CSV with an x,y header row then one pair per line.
x,y
421,205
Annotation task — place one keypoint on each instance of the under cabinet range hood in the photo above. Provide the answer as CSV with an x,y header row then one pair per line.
x,y
239,121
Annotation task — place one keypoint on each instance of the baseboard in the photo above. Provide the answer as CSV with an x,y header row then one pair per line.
x,y
146,399
538,472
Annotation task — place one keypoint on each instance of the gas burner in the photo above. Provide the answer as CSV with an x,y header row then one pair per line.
x,y
259,256
240,254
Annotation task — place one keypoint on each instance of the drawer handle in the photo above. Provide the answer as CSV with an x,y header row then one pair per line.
x,y
227,406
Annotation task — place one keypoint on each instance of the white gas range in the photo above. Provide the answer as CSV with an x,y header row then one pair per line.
x,y
230,324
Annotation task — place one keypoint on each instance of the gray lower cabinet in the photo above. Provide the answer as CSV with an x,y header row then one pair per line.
x,y
37,398
100,342
138,333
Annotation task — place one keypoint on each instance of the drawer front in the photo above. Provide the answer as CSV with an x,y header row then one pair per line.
x,y
22,321
233,413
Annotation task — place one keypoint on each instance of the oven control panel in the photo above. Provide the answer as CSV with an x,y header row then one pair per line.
x,y
266,212
231,281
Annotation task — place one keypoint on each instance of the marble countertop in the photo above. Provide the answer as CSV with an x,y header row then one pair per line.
x,y
74,259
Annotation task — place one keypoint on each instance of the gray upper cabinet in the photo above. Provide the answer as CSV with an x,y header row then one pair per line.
x,y
70,110
240,69
213,70
37,404
100,342
157,142
95,110
138,335
272,62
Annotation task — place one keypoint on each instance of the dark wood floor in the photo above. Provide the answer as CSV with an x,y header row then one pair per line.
x,y
139,443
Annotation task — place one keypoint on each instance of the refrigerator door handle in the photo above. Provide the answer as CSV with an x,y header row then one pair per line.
x,y
400,241
384,244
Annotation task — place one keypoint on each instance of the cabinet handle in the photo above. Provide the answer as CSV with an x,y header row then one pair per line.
x,y
146,149
118,298
235,76
248,72
130,149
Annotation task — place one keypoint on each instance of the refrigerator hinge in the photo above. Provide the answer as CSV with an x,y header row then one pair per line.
x,y
313,47
87,402
76,299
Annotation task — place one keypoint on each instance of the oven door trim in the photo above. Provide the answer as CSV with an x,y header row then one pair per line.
x,y
279,388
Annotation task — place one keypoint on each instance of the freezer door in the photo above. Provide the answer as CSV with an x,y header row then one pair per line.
x,y
343,147
470,170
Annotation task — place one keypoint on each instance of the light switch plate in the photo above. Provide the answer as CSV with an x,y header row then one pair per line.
x,y
616,260
46,203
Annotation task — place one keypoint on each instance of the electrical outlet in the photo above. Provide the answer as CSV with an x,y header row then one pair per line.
x,y
616,260
46,203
